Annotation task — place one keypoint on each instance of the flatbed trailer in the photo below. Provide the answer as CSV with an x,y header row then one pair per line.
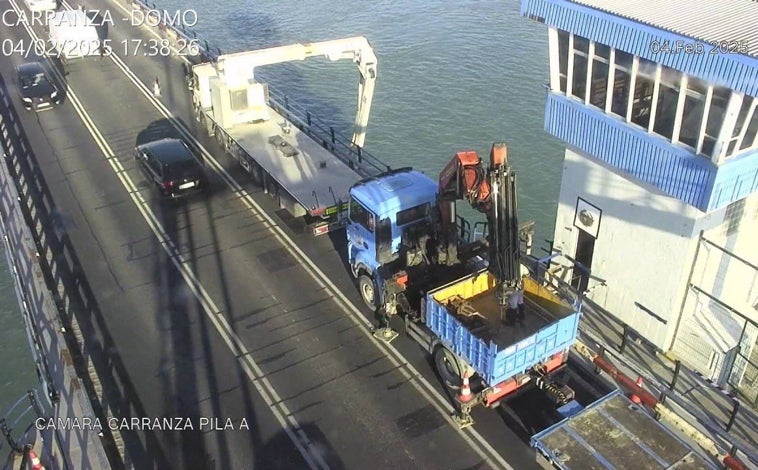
x,y
301,162
612,433
284,157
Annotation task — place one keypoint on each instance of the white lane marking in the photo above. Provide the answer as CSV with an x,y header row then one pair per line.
x,y
255,374
413,376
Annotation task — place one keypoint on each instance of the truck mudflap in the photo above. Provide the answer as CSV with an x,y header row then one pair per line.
x,y
331,219
612,432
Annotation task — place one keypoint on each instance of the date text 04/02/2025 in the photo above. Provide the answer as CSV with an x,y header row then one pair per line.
x,y
125,47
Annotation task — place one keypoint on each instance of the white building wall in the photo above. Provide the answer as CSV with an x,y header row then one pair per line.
x,y
711,332
645,251
724,276
644,247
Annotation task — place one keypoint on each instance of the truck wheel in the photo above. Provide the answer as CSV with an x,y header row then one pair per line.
x,y
220,140
368,291
272,187
257,173
447,367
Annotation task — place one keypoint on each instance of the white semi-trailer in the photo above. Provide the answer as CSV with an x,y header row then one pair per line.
x,y
73,34
301,163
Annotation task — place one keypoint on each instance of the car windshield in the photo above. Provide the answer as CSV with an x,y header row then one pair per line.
x,y
30,81
182,169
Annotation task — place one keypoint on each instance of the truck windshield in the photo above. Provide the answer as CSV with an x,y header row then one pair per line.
x,y
413,214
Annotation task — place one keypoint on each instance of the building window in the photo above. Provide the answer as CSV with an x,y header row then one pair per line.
x,y
563,52
751,133
599,81
643,92
716,114
668,96
621,81
694,108
238,100
742,119
579,79
734,213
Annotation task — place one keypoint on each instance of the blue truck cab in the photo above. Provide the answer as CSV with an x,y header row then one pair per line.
x,y
381,211
450,310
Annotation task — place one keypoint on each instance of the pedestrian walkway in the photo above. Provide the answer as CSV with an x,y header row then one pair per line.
x,y
721,415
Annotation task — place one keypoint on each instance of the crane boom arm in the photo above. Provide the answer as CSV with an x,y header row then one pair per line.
x,y
240,67
492,192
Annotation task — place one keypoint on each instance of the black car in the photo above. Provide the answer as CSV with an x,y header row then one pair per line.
x,y
172,167
38,91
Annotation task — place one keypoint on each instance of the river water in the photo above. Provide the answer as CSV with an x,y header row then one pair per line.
x,y
453,75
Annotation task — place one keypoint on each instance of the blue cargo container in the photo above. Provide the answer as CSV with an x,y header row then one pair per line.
x,y
495,351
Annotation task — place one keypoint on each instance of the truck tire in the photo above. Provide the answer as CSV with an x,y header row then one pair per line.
x,y
221,140
272,187
447,367
367,288
256,172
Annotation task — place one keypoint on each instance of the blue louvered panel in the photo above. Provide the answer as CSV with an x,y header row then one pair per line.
x,y
674,170
736,71
652,159
734,180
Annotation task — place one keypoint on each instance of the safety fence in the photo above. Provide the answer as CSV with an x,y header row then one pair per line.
x,y
717,336
65,395
699,400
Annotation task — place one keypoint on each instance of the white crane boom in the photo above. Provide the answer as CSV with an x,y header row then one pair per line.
x,y
239,68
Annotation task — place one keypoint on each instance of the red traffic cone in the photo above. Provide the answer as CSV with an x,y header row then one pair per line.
x,y
633,396
34,460
465,395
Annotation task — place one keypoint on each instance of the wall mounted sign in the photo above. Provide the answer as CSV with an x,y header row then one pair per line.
x,y
587,217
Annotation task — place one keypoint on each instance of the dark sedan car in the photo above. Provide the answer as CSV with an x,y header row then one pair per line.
x,y
38,91
171,167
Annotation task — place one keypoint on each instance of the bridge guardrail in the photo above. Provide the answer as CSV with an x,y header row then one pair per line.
x,y
363,162
64,447
672,380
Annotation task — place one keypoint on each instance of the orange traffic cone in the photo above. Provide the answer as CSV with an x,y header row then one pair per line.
x,y
34,460
633,396
465,395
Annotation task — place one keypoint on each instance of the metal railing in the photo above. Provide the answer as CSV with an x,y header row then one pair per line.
x,y
28,238
628,345
357,158
361,161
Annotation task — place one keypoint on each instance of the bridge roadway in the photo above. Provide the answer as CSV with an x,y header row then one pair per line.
x,y
192,334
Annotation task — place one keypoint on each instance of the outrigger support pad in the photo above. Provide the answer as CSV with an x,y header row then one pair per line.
x,y
385,334
463,417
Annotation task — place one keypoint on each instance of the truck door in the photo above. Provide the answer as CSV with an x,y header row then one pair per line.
x,y
361,236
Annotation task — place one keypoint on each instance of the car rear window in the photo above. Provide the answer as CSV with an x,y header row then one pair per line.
x,y
183,169
28,81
